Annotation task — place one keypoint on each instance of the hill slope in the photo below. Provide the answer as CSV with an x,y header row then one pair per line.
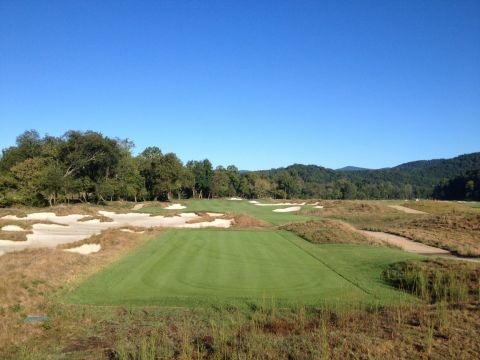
x,y
412,179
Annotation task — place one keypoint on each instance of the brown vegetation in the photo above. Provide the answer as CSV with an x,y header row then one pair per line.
x,y
458,233
246,221
101,218
448,225
202,217
327,231
33,279
441,207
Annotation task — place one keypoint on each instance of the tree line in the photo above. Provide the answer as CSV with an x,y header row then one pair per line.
x,y
463,187
89,167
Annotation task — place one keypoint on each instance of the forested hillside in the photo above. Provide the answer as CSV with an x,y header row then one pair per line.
x,y
90,167
460,187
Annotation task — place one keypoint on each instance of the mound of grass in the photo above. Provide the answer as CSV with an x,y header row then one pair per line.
x,y
246,221
436,280
327,231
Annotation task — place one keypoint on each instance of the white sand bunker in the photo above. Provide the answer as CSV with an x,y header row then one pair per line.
x,y
289,209
132,231
218,223
214,214
279,204
69,228
318,207
85,249
235,199
176,207
12,228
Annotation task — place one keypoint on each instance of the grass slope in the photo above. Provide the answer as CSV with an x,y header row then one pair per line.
x,y
205,267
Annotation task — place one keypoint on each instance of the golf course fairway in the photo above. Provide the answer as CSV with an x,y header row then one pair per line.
x,y
204,267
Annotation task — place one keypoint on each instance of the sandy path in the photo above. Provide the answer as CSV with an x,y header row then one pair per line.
x,y
405,244
406,209
415,247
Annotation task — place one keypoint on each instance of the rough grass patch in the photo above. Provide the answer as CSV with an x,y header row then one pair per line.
x,y
436,280
327,231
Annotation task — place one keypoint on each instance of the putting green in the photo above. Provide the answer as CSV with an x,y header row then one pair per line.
x,y
194,267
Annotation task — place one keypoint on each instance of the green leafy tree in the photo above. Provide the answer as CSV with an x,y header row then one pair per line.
x,y
221,182
203,174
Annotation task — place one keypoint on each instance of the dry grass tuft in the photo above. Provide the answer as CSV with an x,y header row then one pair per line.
x,y
102,218
203,217
245,221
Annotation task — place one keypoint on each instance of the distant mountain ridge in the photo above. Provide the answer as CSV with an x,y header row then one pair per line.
x,y
416,178
352,168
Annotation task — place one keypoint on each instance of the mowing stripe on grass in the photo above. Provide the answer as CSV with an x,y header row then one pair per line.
x,y
189,267
331,268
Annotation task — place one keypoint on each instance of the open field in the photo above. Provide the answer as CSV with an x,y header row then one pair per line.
x,y
256,291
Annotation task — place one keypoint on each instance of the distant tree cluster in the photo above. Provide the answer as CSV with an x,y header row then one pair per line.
x,y
89,167
464,187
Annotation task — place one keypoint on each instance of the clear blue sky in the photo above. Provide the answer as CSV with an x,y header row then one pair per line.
x,y
258,84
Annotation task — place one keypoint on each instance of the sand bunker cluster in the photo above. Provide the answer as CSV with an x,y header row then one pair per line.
x,y
51,230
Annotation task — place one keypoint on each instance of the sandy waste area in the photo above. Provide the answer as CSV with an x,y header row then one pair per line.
x,y
66,229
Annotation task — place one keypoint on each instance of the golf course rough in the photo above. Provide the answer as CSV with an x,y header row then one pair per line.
x,y
205,267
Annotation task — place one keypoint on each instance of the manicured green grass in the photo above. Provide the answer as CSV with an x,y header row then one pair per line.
x,y
241,267
238,207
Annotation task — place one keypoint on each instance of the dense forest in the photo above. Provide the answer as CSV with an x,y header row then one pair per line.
x,y
89,167
460,187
